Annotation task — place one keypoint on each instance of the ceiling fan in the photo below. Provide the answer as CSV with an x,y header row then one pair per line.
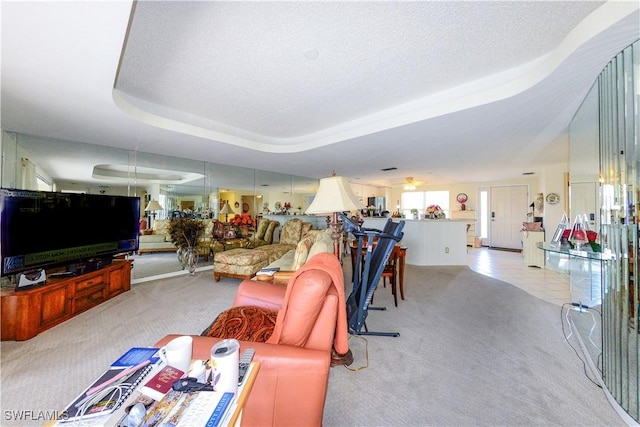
x,y
409,184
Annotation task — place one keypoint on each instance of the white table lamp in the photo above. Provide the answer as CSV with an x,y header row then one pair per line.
x,y
334,195
152,207
226,210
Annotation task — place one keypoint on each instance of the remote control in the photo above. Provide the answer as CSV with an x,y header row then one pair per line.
x,y
245,360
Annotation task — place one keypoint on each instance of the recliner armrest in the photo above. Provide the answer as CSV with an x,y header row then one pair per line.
x,y
259,294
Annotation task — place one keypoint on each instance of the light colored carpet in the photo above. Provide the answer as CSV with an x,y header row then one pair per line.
x,y
473,351
158,263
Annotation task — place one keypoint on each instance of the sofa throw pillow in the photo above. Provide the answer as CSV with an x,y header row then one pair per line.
x,y
208,230
248,323
302,251
323,243
218,230
291,232
262,228
271,228
306,227
161,226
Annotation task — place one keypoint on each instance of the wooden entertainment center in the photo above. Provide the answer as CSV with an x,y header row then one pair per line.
x,y
26,313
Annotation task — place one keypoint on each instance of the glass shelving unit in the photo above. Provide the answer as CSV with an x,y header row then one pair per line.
x,y
584,268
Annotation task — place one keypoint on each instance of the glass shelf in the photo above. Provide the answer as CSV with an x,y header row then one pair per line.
x,y
566,250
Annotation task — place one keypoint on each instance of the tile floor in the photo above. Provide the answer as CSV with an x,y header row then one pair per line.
x,y
509,266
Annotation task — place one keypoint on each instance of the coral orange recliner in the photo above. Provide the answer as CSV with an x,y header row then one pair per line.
x,y
291,386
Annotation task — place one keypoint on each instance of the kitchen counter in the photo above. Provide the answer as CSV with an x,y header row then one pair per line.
x,y
430,241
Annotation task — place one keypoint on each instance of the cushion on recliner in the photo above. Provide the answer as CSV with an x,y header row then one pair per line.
x,y
253,324
305,300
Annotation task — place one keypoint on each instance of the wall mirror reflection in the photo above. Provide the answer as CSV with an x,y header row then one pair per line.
x,y
180,187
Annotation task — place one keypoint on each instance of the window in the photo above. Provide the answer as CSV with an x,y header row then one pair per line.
x,y
43,184
162,199
484,214
440,198
412,200
420,200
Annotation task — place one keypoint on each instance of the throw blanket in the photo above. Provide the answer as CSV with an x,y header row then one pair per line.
x,y
328,263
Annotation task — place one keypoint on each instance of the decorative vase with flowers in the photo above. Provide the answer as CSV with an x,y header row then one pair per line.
x,y
242,223
185,234
434,212
580,237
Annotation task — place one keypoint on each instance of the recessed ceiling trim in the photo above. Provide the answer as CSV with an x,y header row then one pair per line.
x,y
142,174
480,92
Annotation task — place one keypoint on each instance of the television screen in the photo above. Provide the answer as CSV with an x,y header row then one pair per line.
x,y
42,229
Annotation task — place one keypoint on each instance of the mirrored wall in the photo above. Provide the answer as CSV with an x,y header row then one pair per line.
x,y
181,186
619,90
604,180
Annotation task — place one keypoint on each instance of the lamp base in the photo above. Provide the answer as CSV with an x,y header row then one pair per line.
x,y
338,359
335,235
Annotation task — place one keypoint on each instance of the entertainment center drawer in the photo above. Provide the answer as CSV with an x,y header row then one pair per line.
x,y
86,283
88,300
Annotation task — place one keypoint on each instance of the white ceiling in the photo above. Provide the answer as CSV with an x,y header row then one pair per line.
x,y
443,91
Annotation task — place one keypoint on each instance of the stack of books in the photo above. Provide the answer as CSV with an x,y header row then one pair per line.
x,y
268,271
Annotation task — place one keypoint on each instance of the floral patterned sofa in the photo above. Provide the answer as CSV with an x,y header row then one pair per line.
x,y
245,263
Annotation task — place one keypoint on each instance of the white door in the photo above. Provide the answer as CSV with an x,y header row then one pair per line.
x,y
583,200
508,210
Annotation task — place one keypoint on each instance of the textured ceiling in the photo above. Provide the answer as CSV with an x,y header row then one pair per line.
x,y
444,91
245,65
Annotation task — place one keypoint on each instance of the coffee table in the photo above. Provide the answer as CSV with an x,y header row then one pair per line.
x,y
233,418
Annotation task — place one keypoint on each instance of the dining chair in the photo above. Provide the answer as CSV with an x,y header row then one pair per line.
x,y
391,272
391,269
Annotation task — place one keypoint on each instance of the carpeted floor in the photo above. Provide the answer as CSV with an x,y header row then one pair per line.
x,y
472,351
159,263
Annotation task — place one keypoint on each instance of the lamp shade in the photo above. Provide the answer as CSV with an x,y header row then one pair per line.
x,y
153,206
334,195
226,209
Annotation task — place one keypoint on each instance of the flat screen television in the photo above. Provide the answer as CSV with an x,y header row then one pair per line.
x,y
41,229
